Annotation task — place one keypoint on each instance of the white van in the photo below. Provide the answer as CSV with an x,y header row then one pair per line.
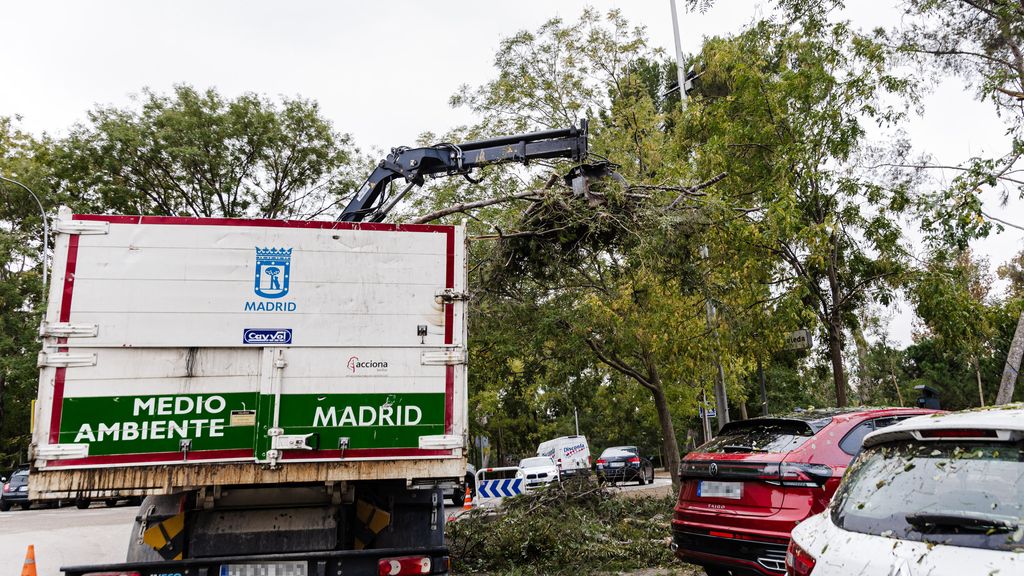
x,y
570,453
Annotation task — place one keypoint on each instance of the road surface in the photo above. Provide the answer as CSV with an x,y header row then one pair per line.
x,y
69,536
64,537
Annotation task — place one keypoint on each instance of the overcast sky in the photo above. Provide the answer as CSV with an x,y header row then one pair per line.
x,y
382,71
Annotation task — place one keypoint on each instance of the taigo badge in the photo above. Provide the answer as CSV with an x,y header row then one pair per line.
x,y
273,272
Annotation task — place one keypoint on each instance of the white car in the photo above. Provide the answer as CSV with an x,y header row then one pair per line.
x,y
538,471
933,495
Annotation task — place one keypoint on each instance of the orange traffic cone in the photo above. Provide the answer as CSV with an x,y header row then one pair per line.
x,y
467,504
29,568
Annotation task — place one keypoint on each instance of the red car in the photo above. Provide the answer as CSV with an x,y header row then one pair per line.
x,y
744,491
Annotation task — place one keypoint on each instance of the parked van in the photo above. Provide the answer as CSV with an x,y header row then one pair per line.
x,y
570,453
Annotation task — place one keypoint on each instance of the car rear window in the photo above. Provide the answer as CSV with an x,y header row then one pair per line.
x,y
775,435
535,462
965,493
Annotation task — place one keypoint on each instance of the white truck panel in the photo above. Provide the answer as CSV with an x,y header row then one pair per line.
x,y
251,341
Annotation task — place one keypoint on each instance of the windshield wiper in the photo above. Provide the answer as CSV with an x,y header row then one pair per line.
x,y
961,520
741,448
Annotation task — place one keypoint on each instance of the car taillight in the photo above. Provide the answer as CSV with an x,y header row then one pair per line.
x,y
403,566
601,462
634,460
809,475
798,561
7,487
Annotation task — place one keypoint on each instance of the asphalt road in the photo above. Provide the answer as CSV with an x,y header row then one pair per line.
x,y
64,537
69,536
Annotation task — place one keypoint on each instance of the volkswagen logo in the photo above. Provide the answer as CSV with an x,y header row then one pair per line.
x,y
713,469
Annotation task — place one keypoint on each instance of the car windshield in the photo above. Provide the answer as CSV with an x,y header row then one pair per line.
x,y
958,493
767,436
535,462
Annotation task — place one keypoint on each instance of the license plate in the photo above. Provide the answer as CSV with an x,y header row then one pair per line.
x,y
23,489
264,569
617,464
708,489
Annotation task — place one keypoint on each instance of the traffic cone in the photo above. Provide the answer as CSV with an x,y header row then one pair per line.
x,y
467,504
29,568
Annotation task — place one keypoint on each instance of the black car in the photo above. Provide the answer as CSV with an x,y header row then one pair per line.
x,y
622,464
15,491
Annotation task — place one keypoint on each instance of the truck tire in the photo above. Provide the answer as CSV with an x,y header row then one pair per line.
x,y
110,502
82,503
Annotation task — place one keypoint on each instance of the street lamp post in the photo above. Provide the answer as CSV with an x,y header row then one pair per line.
x,y
46,226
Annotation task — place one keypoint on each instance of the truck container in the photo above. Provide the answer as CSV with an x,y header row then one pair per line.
x,y
290,396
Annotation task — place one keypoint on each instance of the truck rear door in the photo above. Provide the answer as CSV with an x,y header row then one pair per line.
x,y
171,340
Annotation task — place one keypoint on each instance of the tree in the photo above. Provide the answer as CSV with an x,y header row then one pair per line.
x,y
781,108
950,298
21,287
195,153
982,43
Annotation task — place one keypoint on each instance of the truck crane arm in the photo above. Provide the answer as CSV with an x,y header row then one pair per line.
x,y
415,164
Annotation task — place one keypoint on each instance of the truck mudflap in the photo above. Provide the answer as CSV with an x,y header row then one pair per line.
x,y
391,561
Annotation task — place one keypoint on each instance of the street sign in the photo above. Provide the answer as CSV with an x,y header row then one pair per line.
x,y
501,488
799,340
712,413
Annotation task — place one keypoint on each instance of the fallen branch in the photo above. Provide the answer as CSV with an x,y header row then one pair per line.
x,y
466,206
692,190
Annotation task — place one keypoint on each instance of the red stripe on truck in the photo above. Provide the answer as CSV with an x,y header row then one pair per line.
x,y
317,224
63,316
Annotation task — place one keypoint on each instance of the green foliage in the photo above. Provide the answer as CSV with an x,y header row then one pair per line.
x,y
20,287
978,42
567,528
195,153
786,122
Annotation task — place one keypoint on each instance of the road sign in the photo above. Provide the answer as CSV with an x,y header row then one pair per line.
x,y
501,488
799,340
712,413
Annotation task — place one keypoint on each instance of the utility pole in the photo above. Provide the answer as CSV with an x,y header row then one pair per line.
x,y
721,401
764,391
576,416
680,69
721,397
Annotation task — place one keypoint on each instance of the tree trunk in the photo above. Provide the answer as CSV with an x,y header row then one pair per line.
x,y
977,374
835,349
668,434
863,378
835,333
743,410
1012,368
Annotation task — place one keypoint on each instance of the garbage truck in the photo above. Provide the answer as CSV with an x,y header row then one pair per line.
x,y
288,396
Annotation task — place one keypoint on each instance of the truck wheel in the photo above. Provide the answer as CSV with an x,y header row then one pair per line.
x,y
110,502
25,505
82,503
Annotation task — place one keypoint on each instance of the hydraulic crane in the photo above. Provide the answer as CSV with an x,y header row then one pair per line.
x,y
371,204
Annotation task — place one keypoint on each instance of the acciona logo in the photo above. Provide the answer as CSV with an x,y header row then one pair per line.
x,y
355,365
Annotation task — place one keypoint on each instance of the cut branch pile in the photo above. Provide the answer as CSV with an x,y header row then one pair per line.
x,y
575,527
